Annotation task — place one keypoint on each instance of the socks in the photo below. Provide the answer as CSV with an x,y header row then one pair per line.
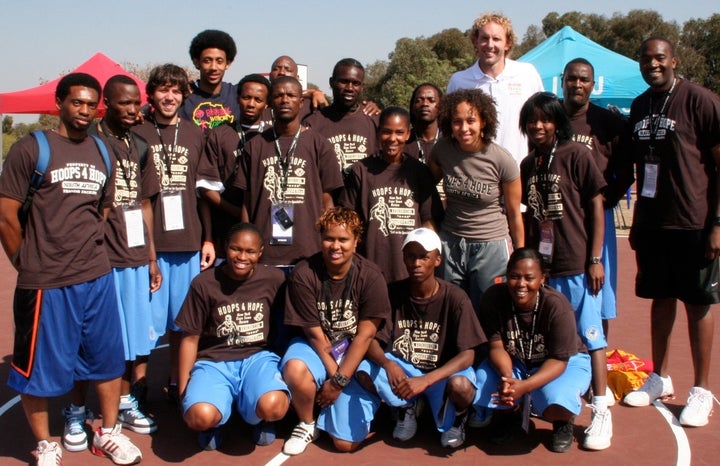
x,y
599,402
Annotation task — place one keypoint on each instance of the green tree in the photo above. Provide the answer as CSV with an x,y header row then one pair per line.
x,y
702,37
7,124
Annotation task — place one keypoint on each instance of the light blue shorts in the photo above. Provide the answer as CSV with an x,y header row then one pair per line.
x,y
565,391
178,270
473,265
132,285
443,409
608,309
239,383
350,416
586,306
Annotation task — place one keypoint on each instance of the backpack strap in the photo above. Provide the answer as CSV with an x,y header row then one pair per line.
x,y
105,155
38,174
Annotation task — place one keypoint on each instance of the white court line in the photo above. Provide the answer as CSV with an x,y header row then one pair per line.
x,y
278,460
9,404
683,446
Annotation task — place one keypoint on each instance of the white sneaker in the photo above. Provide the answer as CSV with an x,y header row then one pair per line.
x,y
698,408
654,387
131,417
74,434
302,435
599,432
406,425
48,453
610,397
116,446
455,436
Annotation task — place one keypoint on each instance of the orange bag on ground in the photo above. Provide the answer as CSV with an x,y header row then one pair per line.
x,y
626,372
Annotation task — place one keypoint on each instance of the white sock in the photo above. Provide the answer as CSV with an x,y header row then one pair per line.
x,y
308,424
124,399
600,402
106,430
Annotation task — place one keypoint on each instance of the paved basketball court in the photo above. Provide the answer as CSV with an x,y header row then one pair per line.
x,y
643,436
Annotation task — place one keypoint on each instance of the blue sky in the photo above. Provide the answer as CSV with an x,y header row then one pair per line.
x,y
42,39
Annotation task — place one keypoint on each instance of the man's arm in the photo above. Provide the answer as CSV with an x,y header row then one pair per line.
x,y
10,231
596,273
713,248
186,359
155,275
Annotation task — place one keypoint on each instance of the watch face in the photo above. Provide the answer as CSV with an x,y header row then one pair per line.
x,y
340,379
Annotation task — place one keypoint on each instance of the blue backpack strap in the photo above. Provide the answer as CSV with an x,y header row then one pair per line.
x,y
105,155
43,158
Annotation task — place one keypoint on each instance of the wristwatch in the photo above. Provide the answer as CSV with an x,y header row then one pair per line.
x,y
340,380
595,260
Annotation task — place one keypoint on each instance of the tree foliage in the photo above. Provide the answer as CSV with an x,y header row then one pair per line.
x,y
7,124
434,59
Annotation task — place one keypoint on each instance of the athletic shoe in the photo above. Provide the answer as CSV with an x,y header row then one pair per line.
x,y
698,408
263,434
302,435
599,432
116,446
481,417
455,436
654,387
210,439
74,434
48,453
609,396
133,418
139,390
406,425
562,436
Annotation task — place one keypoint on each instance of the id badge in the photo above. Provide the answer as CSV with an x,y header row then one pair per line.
x,y
526,412
282,224
339,349
547,238
172,210
649,188
134,226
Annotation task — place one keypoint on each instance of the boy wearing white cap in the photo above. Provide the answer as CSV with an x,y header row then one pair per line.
x,y
430,346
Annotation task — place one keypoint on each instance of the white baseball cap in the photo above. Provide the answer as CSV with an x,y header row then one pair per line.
x,y
426,237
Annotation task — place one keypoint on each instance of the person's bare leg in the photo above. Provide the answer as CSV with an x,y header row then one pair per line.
x,y
662,319
36,412
700,328
598,364
108,392
302,387
174,340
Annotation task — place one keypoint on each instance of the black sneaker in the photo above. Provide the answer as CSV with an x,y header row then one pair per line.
x,y
505,426
562,437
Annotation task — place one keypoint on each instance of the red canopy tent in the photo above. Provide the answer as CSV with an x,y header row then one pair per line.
x,y
41,99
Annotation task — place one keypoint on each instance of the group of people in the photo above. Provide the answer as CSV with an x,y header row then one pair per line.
x,y
335,257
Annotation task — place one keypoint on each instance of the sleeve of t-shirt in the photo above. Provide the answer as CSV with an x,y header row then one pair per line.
x,y
300,302
243,172
430,204
374,300
709,119
509,169
207,172
212,154
150,182
562,337
194,311
591,180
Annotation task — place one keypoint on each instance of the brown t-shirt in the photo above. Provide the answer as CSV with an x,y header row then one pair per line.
x,y
311,171
231,317
178,166
421,150
353,136
555,335
561,193
687,130
363,289
135,181
429,332
607,135
392,200
222,150
64,241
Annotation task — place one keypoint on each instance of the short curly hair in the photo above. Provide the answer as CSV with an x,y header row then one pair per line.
x,y
484,104
167,74
340,216
496,18
213,39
